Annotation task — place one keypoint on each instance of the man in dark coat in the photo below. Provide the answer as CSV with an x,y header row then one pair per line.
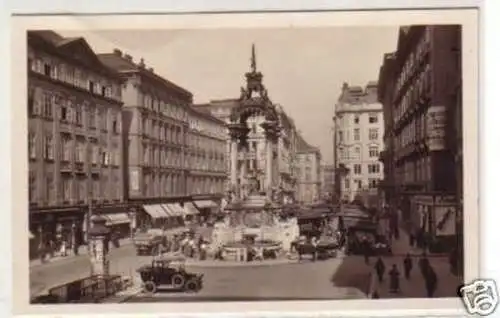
x,y
394,279
431,281
408,265
380,269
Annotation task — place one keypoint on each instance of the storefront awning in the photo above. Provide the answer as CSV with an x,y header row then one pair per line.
x,y
155,211
190,209
205,204
174,209
117,218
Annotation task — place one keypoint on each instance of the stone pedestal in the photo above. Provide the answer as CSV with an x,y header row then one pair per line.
x,y
98,236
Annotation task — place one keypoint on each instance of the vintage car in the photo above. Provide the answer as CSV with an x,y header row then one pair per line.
x,y
168,272
149,243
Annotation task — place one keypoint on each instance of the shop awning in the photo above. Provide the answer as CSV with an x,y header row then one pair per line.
x,y
175,209
205,204
117,218
190,209
168,210
155,211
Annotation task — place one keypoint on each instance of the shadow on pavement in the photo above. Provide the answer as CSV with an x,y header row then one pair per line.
x,y
352,273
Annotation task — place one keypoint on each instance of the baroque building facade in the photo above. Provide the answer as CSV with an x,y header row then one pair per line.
x,y
420,87
74,138
358,127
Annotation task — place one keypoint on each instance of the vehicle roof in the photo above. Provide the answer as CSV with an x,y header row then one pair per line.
x,y
170,258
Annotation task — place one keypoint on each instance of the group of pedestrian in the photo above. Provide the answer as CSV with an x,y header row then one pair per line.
x,y
426,269
58,245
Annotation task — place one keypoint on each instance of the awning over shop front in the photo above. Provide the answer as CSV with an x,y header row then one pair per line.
x,y
155,211
190,209
205,204
175,209
117,218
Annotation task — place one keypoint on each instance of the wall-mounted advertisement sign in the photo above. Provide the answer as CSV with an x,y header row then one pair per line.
x,y
436,124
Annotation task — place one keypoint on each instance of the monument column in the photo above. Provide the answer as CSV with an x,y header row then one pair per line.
x,y
234,162
271,132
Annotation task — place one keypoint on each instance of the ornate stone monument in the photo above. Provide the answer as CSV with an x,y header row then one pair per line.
x,y
252,219
254,101
98,236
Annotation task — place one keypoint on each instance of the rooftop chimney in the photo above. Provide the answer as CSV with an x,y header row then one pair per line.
x,y
128,57
345,86
141,63
152,70
117,52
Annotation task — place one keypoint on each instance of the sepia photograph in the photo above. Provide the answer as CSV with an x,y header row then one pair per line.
x,y
184,165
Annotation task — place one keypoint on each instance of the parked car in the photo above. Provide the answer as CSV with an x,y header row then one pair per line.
x,y
168,272
149,243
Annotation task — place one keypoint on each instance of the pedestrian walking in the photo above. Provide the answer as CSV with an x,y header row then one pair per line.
x,y
412,239
431,281
394,279
380,269
408,265
375,295
423,264
364,248
42,251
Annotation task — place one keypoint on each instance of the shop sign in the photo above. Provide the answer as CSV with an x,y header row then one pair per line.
x,y
423,199
134,179
436,125
445,217
445,200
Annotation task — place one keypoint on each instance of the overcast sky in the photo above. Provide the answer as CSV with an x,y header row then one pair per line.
x,y
303,68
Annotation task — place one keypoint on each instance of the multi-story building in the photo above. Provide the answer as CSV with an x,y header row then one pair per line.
x,y
206,155
255,157
421,91
74,137
156,128
328,180
358,133
308,171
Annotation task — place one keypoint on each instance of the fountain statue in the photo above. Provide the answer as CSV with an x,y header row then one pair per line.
x,y
252,221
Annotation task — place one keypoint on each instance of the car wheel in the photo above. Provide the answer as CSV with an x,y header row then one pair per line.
x,y
178,281
192,286
149,287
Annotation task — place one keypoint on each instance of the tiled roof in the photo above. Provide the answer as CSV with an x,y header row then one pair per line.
x,y
358,95
121,63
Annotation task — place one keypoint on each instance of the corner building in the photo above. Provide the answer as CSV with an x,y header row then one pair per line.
x,y
421,91
74,140
308,172
358,125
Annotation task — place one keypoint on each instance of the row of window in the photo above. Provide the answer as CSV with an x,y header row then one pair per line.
x,y
163,131
205,163
207,127
414,59
372,168
75,76
204,185
372,119
414,131
206,144
414,171
355,153
157,156
167,108
421,86
344,137
73,150
72,190
358,184
53,106
163,184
